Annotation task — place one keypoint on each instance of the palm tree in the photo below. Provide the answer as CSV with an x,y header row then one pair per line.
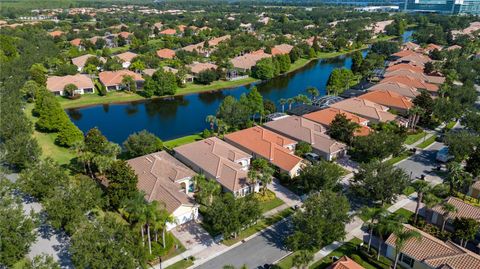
x,y
454,177
151,214
447,210
302,259
211,119
421,187
136,213
384,226
221,126
373,215
253,176
414,116
290,101
129,83
402,236
207,189
282,102
313,92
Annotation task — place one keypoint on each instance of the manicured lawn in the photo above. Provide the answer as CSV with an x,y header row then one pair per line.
x,y
182,141
269,205
47,142
408,190
298,64
398,158
92,99
450,125
414,137
427,142
405,213
261,224
183,264
216,85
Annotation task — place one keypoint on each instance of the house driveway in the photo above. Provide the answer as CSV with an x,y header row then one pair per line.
x,y
284,194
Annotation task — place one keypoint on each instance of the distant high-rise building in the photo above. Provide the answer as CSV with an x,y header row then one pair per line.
x,y
363,2
443,6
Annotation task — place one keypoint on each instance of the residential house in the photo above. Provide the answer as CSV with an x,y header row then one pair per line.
x,y
187,78
454,47
247,61
168,32
125,35
262,143
413,82
281,49
326,116
413,58
404,66
76,42
166,54
431,47
196,67
112,80
302,129
474,190
403,53
167,180
56,33
463,210
345,263
80,61
399,88
410,46
84,84
429,252
219,161
415,74
217,40
366,109
390,99
149,71
126,58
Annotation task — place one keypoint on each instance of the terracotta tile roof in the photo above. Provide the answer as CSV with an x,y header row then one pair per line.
x,y
76,42
114,78
435,253
158,25
431,47
308,131
125,34
149,71
405,66
196,68
219,159
412,82
182,27
416,75
81,60
168,32
281,49
411,46
126,56
476,185
366,109
326,116
247,61
345,263
464,210
388,98
454,47
399,88
56,33
215,41
158,175
267,144
56,83
166,53
404,53
415,58
194,47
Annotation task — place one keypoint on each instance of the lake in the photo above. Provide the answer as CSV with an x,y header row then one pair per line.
x,y
185,115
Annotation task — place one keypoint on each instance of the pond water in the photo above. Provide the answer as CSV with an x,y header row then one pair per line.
x,y
185,115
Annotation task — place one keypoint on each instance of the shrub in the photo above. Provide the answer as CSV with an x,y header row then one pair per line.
x,y
100,88
357,259
206,133
268,196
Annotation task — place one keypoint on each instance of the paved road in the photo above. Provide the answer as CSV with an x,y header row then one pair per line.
x,y
267,247
423,163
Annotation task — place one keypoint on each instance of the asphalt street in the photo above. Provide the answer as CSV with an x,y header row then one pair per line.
x,y
267,247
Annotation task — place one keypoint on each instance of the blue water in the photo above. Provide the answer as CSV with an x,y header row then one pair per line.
x,y
185,115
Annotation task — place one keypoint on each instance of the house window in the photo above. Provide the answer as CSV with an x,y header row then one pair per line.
x,y
407,260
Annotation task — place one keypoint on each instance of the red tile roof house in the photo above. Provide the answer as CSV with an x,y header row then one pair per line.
x,y
262,143
219,161
166,54
405,66
167,180
168,32
345,263
402,89
431,253
416,75
84,84
326,116
81,60
301,129
367,109
247,61
126,58
112,80
392,100
281,49
413,58
413,82
196,68
464,210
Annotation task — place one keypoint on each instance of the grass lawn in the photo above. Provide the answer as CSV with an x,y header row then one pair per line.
x,y
261,224
427,142
269,205
450,125
20,264
298,64
408,190
92,99
398,158
183,264
182,140
216,85
405,213
47,142
414,137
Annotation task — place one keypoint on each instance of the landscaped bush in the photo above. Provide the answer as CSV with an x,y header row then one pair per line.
x,y
357,259
268,196
100,88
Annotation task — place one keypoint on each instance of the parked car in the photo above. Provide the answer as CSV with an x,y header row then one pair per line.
x,y
312,157
443,155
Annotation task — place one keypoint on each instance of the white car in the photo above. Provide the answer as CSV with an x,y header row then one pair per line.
x,y
312,157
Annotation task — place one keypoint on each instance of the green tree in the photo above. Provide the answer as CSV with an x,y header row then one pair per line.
x,y
461,144
302,259
465,229
129,83
142,143
255,103
373,216
41,178
16,228
51,115
447,209
471,120
43,261
340,80
385,225
371,179
68,135
321,221
401,238
421,187
313,92
122,183
357,59
342,129
38,74
70,89
206,190
284,62
264,69
30,90
206,77
377,145
446,109
264,172
473,163
302,148
320,176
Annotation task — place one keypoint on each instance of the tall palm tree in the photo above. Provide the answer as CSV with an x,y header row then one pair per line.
x,y
402,236
290,102
151,215
447,210
211,119
385,226
222,127
282,102
373,215
135,209
313,92
414,116
454,177
421,187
